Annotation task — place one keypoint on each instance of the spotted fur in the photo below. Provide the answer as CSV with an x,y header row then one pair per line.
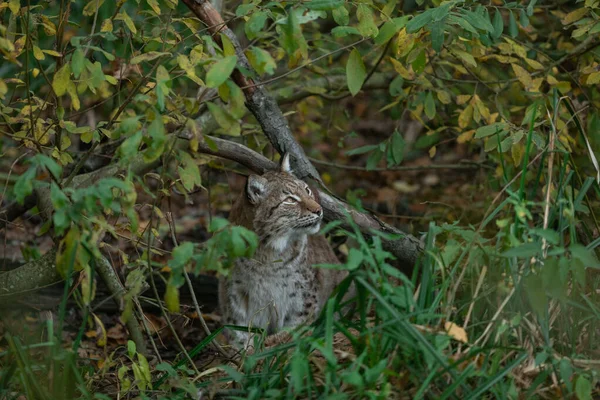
x,y
278,287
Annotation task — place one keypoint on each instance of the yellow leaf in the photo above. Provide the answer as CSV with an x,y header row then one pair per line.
x,y
20,44
465,136
574,16
14,6
40,134
123,16
593,78
462,99
92,7
3,89
102,339
401,70
404,43
61,80
52,53
38,53
49,27
483,110
432,151
455,332
551,80
466,57
563,86
523,76
107,26
75,104
516,151
154,5
534,64
444,97
465,116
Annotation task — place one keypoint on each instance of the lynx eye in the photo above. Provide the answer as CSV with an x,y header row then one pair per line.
x,y
290,200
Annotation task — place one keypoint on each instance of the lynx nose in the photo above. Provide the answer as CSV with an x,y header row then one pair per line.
x,y
319,212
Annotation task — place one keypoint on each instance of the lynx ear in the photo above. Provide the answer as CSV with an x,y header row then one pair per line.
x,y
256,186
285,163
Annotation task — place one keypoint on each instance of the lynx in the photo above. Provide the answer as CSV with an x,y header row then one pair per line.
x,y
279,287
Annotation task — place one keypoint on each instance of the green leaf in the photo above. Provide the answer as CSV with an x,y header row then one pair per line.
x,y
131,145
229,125
255,24
513,30
149,56
298,371
374,159
362,150
261,61
488,130
355,258
24,185
61,80
395,88
535,293
244,9
189,173
131,349
429,106
97,76
366,21
163,80
478,21
342,31
355,72
323,4
584,255
387,31
550,235
341,15
220,71
156,131
181,255
398,145
523,251
419,21
77,62
437,36
498,25
418,64
583,388
523,19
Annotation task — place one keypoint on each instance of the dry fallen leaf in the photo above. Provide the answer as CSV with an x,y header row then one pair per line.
x,y
456,332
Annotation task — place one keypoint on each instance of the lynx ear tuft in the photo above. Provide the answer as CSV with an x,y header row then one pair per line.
x,y
256,186
285,163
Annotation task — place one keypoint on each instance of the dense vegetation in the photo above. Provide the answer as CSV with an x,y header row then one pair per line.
x,y
473,126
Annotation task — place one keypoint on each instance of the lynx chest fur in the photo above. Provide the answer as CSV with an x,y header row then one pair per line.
x,y
278,287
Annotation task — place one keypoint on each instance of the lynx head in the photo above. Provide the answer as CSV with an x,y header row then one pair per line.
x,y
285,207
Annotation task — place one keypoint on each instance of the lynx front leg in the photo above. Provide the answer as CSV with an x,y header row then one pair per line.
x,y
236,313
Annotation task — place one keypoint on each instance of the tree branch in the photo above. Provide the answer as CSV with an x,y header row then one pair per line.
x,y
258,101
277,130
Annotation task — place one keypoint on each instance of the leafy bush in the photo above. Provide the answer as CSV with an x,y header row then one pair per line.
x,y
112,108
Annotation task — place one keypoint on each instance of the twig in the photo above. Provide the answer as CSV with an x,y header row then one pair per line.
x,y
114,285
